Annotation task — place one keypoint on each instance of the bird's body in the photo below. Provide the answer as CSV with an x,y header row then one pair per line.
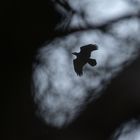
x,y
83,57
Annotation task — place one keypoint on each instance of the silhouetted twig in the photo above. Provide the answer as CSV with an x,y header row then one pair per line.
x,y
92,26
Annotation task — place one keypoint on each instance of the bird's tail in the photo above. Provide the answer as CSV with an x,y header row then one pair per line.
x,y
92,62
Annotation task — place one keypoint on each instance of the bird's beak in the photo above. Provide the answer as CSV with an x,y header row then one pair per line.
x,y
73,53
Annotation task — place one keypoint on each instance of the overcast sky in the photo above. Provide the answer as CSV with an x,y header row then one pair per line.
x,y
128,131
59,92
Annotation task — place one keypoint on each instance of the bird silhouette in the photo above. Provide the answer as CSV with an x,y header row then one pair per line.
x,y
83,57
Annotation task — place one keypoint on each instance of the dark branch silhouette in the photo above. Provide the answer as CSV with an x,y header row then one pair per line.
x,y
103,26
83,57
65,5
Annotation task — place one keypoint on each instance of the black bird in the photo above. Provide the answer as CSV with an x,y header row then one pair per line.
x,y
83,57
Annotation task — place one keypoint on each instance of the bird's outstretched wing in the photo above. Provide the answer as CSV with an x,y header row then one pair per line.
x,y
78,66
89,48
84,57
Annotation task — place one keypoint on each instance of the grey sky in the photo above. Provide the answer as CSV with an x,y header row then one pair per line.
x,y
59,92
128,131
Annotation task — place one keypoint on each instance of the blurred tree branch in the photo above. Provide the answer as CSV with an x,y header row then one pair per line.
x,y
102,27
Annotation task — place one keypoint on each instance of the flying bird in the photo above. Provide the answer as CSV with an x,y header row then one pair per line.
x,y
83,57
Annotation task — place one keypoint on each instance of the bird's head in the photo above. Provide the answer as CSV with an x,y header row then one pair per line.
x,y
75,53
